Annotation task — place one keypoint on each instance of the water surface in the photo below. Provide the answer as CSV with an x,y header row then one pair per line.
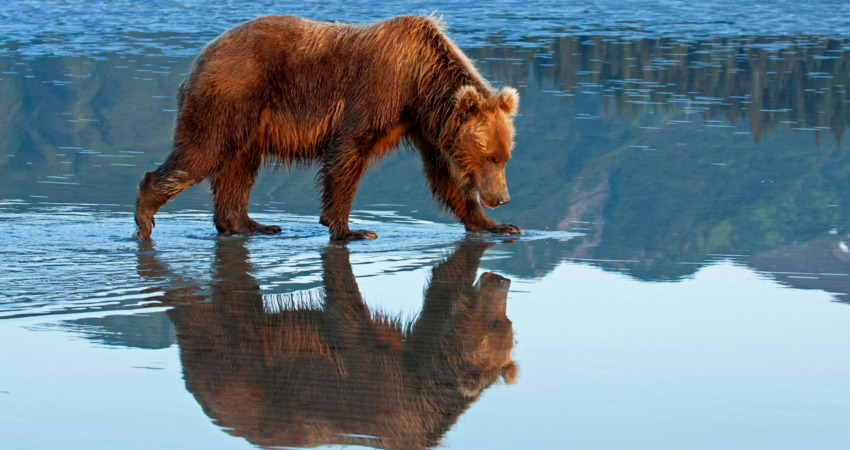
x,y
681,172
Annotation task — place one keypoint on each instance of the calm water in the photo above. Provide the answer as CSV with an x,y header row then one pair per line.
x,y
681,172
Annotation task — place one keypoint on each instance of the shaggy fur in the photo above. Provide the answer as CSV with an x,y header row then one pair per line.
x,y
297,91
322,369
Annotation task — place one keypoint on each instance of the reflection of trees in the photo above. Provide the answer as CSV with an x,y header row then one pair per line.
x,y
310,370
645,212
766,81
657,208
85,121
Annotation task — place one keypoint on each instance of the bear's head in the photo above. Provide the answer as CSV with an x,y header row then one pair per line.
x,y
485,337
481,142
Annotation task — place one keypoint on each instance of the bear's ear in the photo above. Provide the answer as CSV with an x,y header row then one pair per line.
x,y
509,100
468,101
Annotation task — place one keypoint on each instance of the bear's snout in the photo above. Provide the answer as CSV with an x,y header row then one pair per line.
x,y
493,200
493,188
503,200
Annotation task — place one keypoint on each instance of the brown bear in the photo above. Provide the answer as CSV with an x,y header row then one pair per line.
x,y
320,368
296,91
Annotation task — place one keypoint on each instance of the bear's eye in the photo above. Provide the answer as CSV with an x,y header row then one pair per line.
x,y
491,159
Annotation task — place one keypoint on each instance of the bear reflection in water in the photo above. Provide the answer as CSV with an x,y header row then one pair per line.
x,y
303,371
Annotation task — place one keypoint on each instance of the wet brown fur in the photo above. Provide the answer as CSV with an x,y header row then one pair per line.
x,y
294,91
321,368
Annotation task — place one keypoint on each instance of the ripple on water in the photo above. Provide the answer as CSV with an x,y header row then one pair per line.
x,y
166,27
72,258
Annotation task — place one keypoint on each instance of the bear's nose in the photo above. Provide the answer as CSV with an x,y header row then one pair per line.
x,y
503,200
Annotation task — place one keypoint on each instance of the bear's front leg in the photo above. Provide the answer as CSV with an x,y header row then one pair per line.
x,y
463,204
474,220
340,173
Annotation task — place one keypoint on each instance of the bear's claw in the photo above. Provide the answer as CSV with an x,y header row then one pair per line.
x,y
355,235
269,229
505,229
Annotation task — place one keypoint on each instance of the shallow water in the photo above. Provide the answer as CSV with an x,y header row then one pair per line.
x,y
680,171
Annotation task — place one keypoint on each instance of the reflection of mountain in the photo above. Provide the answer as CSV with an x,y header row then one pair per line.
x,y
666,151
310,370
818,264
150,331
661,151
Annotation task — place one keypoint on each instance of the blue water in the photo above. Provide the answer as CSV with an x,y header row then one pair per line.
x,y
73,27
680,172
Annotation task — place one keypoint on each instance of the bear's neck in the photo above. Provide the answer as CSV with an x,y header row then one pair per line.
x,y
443,70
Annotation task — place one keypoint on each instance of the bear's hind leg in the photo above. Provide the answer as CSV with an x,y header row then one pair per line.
x,y
231,187
157,188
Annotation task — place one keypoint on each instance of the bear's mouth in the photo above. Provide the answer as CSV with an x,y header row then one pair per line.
x,y
481,201
487,204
